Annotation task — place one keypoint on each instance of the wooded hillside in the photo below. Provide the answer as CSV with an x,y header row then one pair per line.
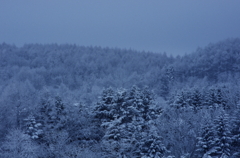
x,y
77,101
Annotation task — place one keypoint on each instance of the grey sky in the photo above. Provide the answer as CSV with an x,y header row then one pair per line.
x,y
171,26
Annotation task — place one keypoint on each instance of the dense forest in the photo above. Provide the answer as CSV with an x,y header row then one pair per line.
x,y
60,101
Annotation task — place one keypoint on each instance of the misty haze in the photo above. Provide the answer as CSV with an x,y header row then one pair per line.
x,y
116,79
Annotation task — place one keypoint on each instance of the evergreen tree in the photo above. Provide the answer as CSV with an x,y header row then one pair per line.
x,y
60,114
222,141
103,109
210,99
220,99
126,116
235,145
164,87
206,140
53,115
112,140
180,101
33,128
166,81
152,147
196,100
81,125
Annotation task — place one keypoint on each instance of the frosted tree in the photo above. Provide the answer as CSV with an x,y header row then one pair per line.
x,y
61,114
112,140
206,140
53,114
180,101
235,123
114,117
53,117
152,147
32,127
223,137
80,125
166,81
220,99
210,98
125,116
103,110
18,145
18,97
196,100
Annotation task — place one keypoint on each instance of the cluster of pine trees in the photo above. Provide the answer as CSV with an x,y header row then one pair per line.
x,y
71,101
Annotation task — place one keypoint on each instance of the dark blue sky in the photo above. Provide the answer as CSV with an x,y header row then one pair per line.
x,y
174,27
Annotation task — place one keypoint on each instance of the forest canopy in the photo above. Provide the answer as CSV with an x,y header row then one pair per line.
x,y
77,101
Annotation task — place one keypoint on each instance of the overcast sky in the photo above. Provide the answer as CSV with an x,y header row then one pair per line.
x,y
171,26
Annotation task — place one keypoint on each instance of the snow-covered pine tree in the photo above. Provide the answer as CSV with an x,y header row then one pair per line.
x,y
53,114
166,80
53,118
164,86
61,114
152,147
210,99
206,140
103,110
33,128
112,140
235,145
110,113
220,100
46,114
180,101
196,100
223,136
126,115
